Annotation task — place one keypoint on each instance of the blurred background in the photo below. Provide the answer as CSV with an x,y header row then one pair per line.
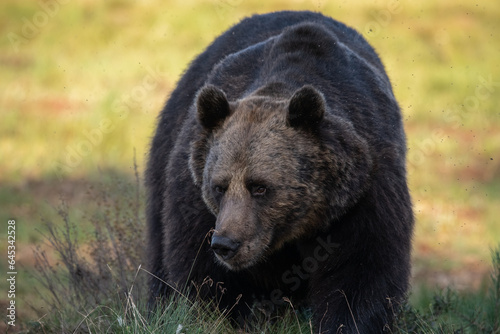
x,y
81,83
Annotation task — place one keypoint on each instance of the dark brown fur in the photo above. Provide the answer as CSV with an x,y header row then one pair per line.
x,y
283,145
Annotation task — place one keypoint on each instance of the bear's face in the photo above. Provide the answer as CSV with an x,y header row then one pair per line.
x,y
264,172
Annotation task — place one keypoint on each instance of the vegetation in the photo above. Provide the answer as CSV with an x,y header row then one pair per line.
x,y
82,82
102,288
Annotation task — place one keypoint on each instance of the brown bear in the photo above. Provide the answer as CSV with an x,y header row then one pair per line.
x,y
278,170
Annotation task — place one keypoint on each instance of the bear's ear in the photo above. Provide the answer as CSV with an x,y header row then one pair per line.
x,y
212,107
306,107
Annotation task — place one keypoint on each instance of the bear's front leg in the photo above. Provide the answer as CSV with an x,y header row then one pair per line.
x,y
358,295
358,307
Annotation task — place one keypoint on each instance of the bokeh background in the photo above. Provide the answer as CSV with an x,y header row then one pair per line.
x,y
82,81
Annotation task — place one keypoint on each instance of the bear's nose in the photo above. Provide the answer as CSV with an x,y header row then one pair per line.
x,y
224,246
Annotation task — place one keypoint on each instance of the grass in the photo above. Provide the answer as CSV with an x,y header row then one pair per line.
x,y
101,287
452,312
80,90
99,284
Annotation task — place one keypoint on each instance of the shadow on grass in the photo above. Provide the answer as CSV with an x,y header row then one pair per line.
x,y
99,285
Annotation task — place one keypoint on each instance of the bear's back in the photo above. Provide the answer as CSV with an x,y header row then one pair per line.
x,y
250,31
242,37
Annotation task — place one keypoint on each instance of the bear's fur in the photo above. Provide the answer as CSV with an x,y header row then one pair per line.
x,y
278,170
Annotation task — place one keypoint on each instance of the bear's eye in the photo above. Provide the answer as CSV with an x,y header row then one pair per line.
x,y
258,190
219,189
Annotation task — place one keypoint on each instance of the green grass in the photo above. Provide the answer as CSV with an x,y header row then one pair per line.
x,y
100,286
80,92
105,290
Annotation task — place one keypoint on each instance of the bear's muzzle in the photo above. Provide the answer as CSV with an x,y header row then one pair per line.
x,y
224,247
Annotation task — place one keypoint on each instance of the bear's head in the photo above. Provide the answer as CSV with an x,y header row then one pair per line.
x,y
273,170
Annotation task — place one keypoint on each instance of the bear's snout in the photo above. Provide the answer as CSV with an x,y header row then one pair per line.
x,y
225,247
